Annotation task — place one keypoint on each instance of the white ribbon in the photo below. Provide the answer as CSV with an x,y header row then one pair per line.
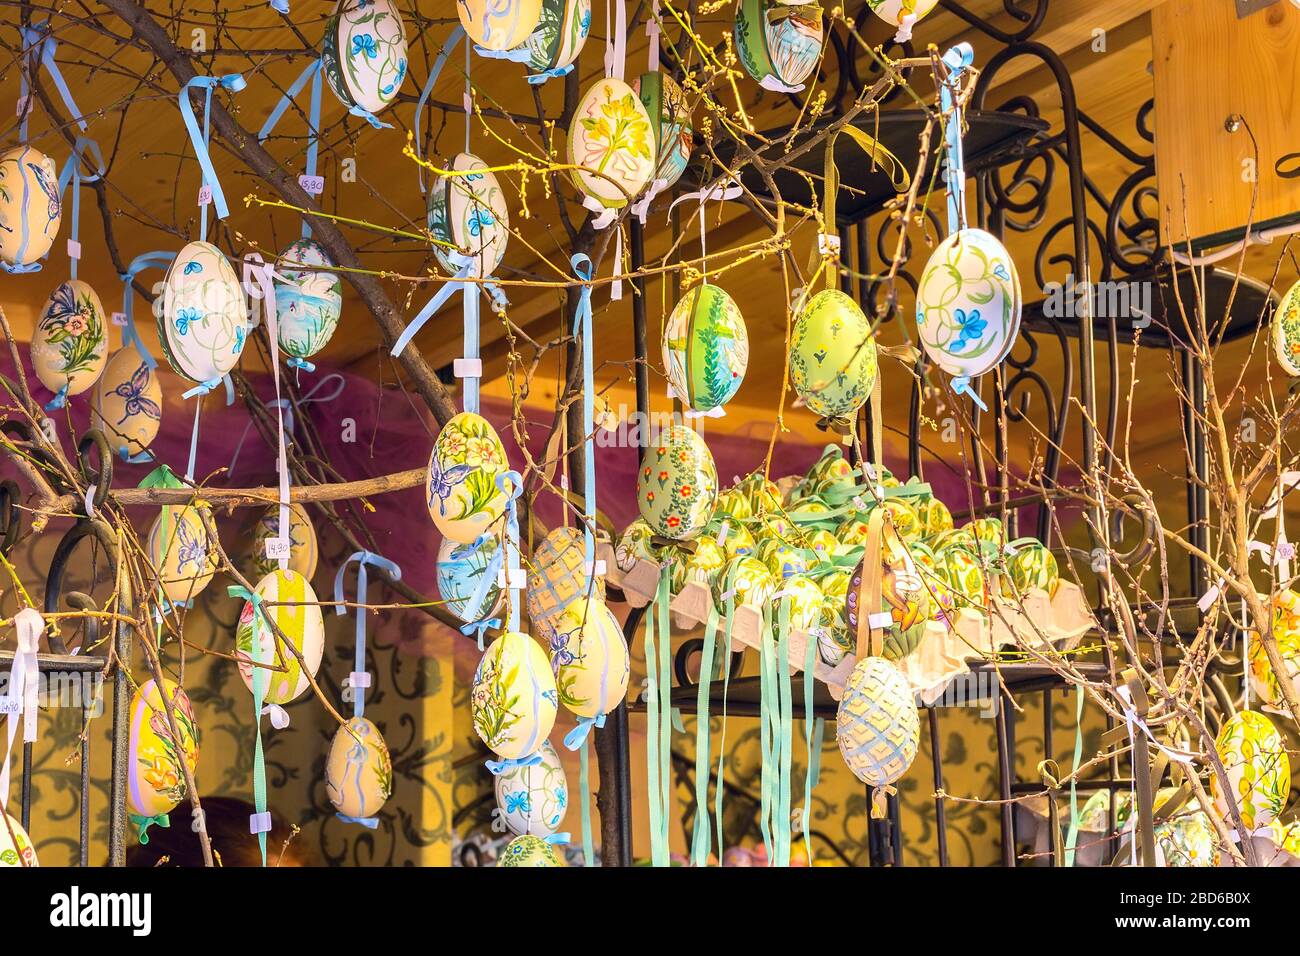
x,y
264,289
279,716
652,31
722,190
1280,556
615,40
905,28
1132,719
20,693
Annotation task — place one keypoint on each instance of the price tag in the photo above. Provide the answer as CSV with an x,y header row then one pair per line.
x,y
882,619
118,319
205,195
11,705
259,822
277,549
23,103
74,249
597,568
312,185
827,244
467,368
514,579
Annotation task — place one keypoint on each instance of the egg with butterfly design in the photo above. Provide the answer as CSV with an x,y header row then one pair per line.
x,y
463,497
364,53
31,208
289,602
304,547
128,402
179,548
358,770
468,215
309,300
70,341
590,658
202,317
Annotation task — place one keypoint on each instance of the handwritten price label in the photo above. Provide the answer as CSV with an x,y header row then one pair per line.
x,y
277,549
312,185
119,319
11,705
205,196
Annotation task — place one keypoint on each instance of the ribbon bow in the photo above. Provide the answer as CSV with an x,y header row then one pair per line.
x,y
232,82
142,825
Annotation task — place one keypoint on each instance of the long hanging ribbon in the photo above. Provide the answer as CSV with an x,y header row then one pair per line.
x,y
658,727
19,698
1072,834
359,679
702,834
719,788
233,82
456,36
313,72
263,655
42,46
582,326
813,728
465,267
130,334
785,737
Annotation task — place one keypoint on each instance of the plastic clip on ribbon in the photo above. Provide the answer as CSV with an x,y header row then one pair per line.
x,y
263,654
20,696
364,559
456,36
233,82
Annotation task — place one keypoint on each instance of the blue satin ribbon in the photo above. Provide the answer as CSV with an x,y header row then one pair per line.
x,y
206,388
259,660
233,82
512,493
538,78
961,385
280,6
956,60
577,737
498,767
313,72
364,560
71,174
440,298
370,823
42,45
130,335
476,629
456,36
557,839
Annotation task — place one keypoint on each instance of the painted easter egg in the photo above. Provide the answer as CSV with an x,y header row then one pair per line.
x,y
463,496
903,596
179,548
470,213
801,595
835,642
833,355
513,698
678,484
897,12
822,542
935,517
747,580
1286,331
499,24
943,602
1286,633
782,559
1030,566
460,570
590,658
128,402
778,44
737,542
852,531
968,303
304,548
156,778
904,517
734,503
560,35
670,124
877,726
528,850
698,566
70,341
309,303
202,324
706,348
1258,770
15,845
611,141
533,799
288,601
962,571
557,577
30,205
358,770
635,544
364,53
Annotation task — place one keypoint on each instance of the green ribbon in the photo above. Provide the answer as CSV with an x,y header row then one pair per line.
x,y
700,836
260,680
810,774
142,825
722,743
1072,835
785,738
658,716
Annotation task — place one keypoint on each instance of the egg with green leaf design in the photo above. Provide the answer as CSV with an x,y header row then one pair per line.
x,y
833,362
70,341
705,348
528,850
747,580
590,658
156,760
1258,769
463,497
309,300
698,566
678,483
513,698
364,53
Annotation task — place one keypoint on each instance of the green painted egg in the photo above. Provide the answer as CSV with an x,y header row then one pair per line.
x,y
528,850
698,567
678,484
634,545
833,355
1258,769
804,599
705,348
1030,566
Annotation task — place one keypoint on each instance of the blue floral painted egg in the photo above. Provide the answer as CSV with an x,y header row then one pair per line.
x,y
461,569
128,402
202,320
968,303
778,44
463,497
358,770
833,362
706,348
611,144
670,122
70,342
590,658
513,699
561,33
499,24
534,799
308,305
30,205
468,215
179,548
364,53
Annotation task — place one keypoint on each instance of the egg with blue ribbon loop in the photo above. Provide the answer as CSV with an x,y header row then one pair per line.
x,y
31,207
497,25
529,851
468,214
308,301
590,658
358,772
535,798
513,700
202,318
778,44
364,56
466,577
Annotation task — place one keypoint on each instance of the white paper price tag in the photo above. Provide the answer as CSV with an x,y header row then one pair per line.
x,y
467,368
277,549
881,619
596,568
205,195
74,249
259,822
723,531
827,244
11,705
23,102
312,185
512,578
359,679
118,319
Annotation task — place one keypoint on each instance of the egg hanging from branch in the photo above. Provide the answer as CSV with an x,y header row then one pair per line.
x,y
309,302
499,24
468,215
202,319
70,342
611,144
705,348
778,44
364,53
128,402
833,363
30,205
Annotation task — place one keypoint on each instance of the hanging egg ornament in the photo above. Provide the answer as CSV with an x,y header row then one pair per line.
x,y
590,658
467,457
778,44
1286,331
670,123
678,484
70,341
468,215
358,770
528,850
1286,634
499,25
877,726
30,205
460,572
833,355
304,548
557,577
202,324
903,596
611,143
289,601
899,13
1258,770
128,402
364,53
513,698
968,303
179,548
705,348
533,799
156,776
561,33
309,302
15,845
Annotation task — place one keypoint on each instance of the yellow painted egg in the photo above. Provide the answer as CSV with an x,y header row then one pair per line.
x,y
738,541
289,601
1030,566
835,642
533,799
364,53
1259,771
962,571
634,545
611,143
823,543
460,573
699,566
852,531
833,355
202,319
70,341
304,549
678,484
877,726
156,777
748,581
1286,632
464,500
469,212
513,698
499,24
15,845
179,549
128,402
934,516
590,658
528,850
734,503
705,348
557,577
782,559
1286,331
804,599
358,770
906,521
896,12
30,205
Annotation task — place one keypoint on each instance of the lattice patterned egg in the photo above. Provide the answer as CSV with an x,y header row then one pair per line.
x,y
557,577
464,500
611,141
308,305
156,778
705,348
896,12
16,847
179,548
1286,331
561,32
698,566
513,697
1258,769
968,303
670,124
778,44
678,484
748,580
460,573
528,850
833,355
534,799
290,602
470,213
635,544
903,596
590,658
364,53
70,341
128,402
877,725
499,24
1030,566
202,323
304,548
1286,632
358,770
30,205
